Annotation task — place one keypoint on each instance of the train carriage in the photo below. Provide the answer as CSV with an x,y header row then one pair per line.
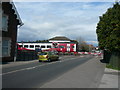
x,y
60,47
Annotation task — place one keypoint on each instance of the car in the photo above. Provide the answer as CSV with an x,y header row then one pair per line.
x,y
48,56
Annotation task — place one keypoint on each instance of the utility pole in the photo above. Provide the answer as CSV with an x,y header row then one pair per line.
x,y
89,48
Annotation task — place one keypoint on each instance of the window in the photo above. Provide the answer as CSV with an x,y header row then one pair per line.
x,y
0,48
31,46
43,53
72,46
20,45
56,47
37,46
51,53
25,46
48,46
4,22
61,46
6,47
42,46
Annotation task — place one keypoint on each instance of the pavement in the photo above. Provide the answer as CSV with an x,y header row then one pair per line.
x,y
110,78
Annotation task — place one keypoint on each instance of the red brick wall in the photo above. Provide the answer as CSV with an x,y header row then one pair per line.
x,y
12,29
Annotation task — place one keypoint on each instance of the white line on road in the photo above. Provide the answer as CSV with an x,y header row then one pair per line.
x,y
37,66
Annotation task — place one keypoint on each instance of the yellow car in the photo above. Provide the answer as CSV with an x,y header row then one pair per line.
x,y
48,56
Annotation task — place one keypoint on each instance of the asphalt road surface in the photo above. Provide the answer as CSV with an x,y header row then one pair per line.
x,y
34,75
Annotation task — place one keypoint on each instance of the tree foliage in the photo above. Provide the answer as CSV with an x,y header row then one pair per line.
x,y
82,45
42,41
108,29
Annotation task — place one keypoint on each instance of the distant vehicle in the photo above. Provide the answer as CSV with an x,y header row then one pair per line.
x,y
48,56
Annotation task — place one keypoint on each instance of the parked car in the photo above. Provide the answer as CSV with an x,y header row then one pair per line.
x,y
48,56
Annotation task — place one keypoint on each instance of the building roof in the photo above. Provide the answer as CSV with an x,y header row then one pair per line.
x,y
15,10
60,38
16,13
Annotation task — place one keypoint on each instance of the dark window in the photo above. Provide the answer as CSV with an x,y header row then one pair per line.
x,y
20,45
43,53
31,46
42,46
61,46
48,46
72,46
56,47
52,53
25,46
6,47
49,53
4,22
37,46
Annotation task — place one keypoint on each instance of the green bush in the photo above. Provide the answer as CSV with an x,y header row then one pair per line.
x,y
114,60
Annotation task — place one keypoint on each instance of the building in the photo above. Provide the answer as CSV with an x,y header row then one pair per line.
x,y
10,24
59,39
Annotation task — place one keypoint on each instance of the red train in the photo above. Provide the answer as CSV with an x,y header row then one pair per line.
x,y
60,47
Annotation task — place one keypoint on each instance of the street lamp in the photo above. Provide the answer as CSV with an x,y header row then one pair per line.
x,y
16,46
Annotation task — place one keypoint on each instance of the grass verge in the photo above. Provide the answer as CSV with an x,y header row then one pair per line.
x,y
110,66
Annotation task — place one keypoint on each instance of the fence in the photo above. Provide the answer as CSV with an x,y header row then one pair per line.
x,y
26,55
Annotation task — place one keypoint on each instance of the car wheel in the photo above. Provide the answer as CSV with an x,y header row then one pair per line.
x,y
58,59
40,61
49,60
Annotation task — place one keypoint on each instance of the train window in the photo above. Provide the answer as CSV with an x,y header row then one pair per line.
x,y
61,46
37,46
31,46
20,45
48,46
56,46
42,46
25,46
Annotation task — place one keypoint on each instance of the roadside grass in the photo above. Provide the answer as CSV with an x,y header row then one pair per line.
x,y
111,67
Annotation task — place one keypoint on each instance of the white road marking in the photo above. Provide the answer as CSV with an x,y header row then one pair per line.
x,y
37,66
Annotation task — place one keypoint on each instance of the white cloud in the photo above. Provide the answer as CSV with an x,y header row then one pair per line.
x,y
46,20
93,42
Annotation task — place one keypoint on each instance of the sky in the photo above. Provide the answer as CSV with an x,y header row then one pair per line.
x,y
44,20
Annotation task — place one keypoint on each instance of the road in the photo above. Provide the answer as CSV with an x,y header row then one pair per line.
x,y
35,75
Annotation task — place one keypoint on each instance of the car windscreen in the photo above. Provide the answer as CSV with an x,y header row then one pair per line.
x,y
43,53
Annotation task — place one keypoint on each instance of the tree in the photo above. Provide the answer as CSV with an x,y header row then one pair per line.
x,y
41,41
82,45
80,40
108,32
108,29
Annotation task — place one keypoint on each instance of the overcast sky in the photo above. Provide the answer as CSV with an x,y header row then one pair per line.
x,y
44,20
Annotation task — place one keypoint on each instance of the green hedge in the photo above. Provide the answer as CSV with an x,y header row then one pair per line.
x,y
113,59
